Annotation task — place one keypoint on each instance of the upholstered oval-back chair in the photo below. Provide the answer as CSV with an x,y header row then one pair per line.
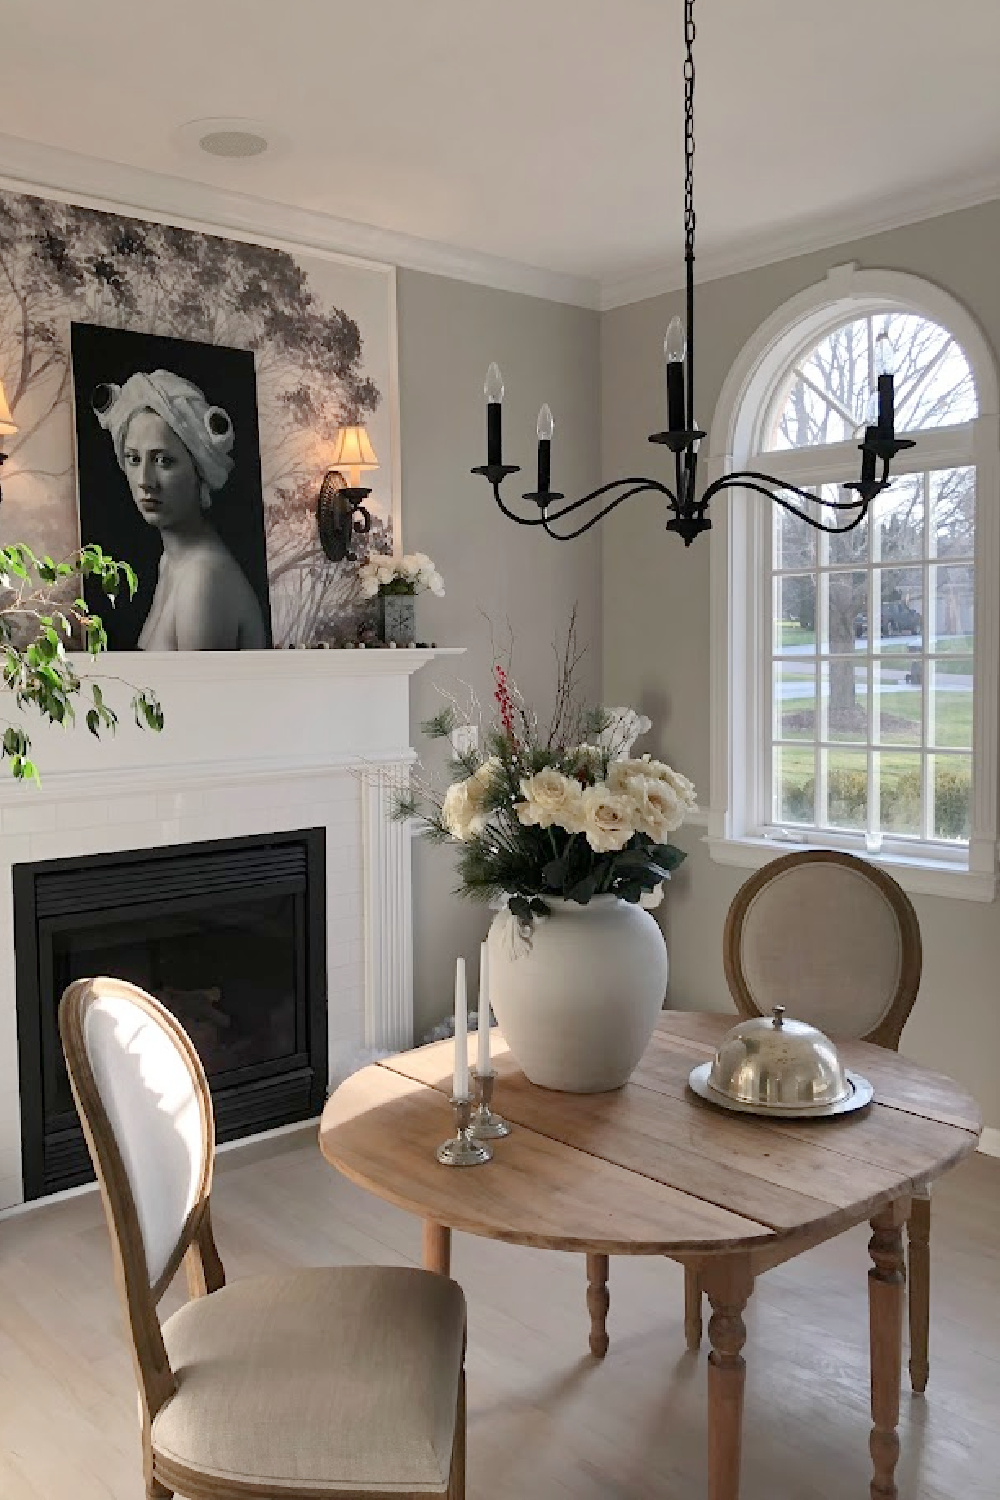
x,y
317,1384
836,941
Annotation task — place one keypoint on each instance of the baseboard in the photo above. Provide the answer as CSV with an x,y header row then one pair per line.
x,y
989,1143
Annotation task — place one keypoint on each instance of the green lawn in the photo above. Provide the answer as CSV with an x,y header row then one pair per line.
x,y
953,718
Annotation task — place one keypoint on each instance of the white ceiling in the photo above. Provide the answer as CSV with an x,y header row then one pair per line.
x,y
542,132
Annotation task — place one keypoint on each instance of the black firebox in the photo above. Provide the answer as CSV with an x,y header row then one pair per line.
x,y
230,935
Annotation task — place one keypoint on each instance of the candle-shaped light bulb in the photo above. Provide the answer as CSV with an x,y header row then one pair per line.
x,y
545,428
675,348
493,385
885,355
871,410
460,1088
483,1039
493,388
675,342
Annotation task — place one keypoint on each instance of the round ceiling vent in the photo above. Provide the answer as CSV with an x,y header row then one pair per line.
x,y
233,143
230,139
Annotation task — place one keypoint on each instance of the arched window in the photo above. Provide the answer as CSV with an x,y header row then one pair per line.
x,y
860,710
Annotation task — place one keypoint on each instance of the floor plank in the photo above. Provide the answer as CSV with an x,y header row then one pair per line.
x,y
545,1419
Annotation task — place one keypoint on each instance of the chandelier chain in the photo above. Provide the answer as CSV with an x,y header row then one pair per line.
x,y
689,214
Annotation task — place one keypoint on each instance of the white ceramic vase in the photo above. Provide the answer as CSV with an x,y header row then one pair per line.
x,y
577,994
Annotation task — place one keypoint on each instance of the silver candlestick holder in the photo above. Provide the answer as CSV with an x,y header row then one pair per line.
x,y
462,1150
486,1126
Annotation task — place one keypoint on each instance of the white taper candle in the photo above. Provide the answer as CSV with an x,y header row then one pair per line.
x,y
461,1084
483,1053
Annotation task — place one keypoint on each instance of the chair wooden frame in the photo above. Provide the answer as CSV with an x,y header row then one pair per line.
x,y
195,1247
885,1034
889,1028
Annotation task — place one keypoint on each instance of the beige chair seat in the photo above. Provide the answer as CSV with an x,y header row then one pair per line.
x,y
346,1371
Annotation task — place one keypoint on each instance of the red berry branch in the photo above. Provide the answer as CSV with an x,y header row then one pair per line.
x,y
505,703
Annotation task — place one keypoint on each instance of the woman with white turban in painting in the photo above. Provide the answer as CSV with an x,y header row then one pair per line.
x,y
175,450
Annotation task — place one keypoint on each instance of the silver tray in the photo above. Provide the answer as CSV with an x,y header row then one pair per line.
x,y
861,1095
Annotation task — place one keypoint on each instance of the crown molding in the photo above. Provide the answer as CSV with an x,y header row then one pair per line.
x,y
819,234
30,166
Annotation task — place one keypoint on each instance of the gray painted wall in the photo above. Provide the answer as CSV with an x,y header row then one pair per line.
x,y
498,577
656,621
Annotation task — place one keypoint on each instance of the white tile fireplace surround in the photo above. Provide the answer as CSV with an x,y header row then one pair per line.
x,y
255,742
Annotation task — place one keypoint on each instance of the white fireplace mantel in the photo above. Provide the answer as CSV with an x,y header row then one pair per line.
x,y
253,743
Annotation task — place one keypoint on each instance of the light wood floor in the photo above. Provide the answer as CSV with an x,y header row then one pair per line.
x,y
546,1422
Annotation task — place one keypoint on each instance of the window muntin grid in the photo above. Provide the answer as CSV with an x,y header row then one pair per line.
x,y
870,680
824,396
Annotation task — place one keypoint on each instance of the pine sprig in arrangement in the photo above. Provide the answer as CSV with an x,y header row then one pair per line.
x,y
38,638
562,814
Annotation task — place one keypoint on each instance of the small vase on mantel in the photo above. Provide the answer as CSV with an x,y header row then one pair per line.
x,y
577,993
397,619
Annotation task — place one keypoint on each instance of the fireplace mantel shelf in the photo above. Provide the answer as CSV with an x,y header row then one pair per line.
x,y
230,716
256,666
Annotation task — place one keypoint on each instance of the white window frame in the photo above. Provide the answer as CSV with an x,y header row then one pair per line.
x,y
740,576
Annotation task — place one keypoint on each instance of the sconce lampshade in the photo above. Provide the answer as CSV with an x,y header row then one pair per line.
x,y
7,424
353,450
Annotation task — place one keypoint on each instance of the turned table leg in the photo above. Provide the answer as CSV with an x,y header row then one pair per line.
x,y
598,1301
728,1284
919,1276
886,1297
437,1248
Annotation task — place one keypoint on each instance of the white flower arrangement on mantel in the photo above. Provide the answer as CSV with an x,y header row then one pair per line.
x,y
413,574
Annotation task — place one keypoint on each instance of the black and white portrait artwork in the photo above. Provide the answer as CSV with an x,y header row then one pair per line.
x,y
168,475
316,330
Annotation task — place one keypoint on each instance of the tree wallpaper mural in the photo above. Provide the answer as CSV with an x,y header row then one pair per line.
x,y
322,333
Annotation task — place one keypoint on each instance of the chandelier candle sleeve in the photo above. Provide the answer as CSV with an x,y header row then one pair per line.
x,y
886,391
460,1089
544,429
493,389
674,349
483,1036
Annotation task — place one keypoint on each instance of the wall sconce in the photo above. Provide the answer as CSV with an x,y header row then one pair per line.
x,y
340,510
8,426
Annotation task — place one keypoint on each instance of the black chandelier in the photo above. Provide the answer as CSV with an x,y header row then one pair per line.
x,y
688,509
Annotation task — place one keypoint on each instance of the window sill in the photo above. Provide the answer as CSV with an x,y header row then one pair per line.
x,y
923,877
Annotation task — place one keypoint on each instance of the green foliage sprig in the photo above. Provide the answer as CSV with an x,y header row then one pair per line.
x,y
38,635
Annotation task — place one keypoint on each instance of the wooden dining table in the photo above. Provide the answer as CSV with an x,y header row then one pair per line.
x,y
650,1169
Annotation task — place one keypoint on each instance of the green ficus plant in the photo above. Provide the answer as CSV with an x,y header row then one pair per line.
x,y
39,639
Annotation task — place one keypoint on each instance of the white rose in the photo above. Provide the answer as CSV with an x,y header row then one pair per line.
x,y
462,811
607,818
550,797
657,808
621,772
436,584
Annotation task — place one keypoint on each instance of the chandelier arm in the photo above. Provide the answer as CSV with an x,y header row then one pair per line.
x,y
639,487
633,486
793,510
739,476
